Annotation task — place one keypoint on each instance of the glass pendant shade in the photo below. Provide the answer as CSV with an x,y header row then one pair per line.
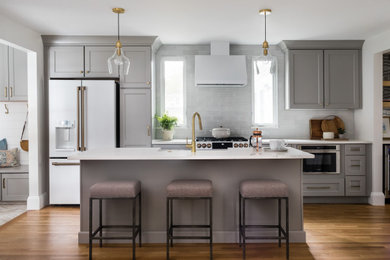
x,y
119,60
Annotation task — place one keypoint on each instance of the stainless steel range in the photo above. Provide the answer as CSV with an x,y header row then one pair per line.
x,y
209,143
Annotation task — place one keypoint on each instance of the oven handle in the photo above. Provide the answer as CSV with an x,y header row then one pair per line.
x,y
321,151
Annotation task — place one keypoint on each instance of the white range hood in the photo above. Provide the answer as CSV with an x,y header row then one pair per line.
x,y
220,69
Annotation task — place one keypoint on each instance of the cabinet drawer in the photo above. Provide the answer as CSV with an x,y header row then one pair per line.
x,y
355,165
355,185
355,149
328,187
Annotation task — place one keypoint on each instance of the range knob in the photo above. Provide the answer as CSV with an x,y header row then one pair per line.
x,y
246,145
198,145
208,145
240,145
235,145
203,145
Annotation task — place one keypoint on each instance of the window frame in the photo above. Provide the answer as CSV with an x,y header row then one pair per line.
x,y
162,89
275,123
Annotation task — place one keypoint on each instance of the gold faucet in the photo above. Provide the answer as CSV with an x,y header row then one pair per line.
x,y
193,145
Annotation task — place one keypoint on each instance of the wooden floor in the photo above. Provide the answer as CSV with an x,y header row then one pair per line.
x,y
333,232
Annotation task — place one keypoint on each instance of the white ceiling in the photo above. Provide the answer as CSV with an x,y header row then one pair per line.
x,y
199,21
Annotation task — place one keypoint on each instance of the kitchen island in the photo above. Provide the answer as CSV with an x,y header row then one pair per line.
x,y
155,168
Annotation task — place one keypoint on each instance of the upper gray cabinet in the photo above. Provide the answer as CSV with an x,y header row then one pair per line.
x,y
96,61
323,74
66,61
306,85
140,68
341,80
13,74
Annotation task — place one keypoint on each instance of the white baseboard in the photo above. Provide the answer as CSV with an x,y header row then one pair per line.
x,y
37,202
377,199
218,237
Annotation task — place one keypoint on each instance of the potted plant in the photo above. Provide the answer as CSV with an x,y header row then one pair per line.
x,y
341,132
167,124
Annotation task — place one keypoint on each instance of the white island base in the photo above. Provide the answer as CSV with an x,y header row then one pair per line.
x,y
226,169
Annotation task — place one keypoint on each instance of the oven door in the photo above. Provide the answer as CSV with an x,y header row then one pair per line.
x,y
325,162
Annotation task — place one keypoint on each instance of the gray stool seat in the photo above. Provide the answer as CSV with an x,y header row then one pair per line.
x,y
263,189
115,189
190,188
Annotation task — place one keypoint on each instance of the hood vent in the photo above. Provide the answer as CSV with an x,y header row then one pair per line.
x,y
220,69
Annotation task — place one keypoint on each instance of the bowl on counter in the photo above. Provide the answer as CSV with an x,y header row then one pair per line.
x,y
220,132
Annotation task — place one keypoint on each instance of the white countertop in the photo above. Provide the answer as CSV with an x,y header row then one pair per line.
x,y
165,154
289,141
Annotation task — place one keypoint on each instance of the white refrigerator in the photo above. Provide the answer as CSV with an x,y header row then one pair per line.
x,y
82,116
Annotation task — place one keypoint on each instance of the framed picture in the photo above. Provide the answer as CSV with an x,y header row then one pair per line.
x,y
386,127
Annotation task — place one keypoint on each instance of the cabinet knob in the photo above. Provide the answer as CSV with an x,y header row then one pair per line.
x,y
148,82
10,92
5,92
88,71
148,128
81,71
3,183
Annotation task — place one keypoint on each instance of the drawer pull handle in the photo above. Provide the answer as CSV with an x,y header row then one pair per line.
x,y
64,164
355,165
3,183
319,188
355,149
355,186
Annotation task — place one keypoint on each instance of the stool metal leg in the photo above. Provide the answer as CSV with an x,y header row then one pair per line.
x,y
168,227
239,219
134,226
140,220
243,230
211,227
279,222
100,223
171,221
287,232
90,229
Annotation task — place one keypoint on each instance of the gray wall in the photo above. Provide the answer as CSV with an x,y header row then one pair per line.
x,y
231,107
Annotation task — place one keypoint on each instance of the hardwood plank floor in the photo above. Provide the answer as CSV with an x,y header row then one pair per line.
x,y
333,232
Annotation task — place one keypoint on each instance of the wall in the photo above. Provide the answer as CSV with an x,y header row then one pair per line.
x,y
231,107
11,126
368,120
23,38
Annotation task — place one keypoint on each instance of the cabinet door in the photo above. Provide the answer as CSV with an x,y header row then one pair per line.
x,y
305,86
135,123
323,187
341,79
3,72
140,68
355,165
355,186
15,187
67,61
96,61
17,88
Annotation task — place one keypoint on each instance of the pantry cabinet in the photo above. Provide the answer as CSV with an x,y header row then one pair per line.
x,y
96,61
66,62
140,68
13,74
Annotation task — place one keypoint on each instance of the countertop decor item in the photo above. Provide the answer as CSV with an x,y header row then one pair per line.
x,y
24,142
328,135
332,124
167,124
118,58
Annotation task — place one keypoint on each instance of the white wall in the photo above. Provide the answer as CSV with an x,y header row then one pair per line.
x,y
368,120
22,37
231,107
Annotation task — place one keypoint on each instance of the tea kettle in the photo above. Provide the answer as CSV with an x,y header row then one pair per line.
x,y
256,139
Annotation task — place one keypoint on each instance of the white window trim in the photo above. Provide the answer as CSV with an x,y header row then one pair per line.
x,y
275,97
162,89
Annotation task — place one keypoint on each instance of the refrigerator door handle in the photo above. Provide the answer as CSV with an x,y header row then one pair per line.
x,y
83,147
64,164
78,119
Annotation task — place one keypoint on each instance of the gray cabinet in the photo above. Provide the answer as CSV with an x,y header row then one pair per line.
x,y
355,186
140,68
96,61
135,117
13,74
66,61
341,79
14,187
355,149
305,79
323,187
355,165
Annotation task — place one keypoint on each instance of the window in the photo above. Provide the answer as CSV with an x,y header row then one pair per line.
x,y
173,88
265,105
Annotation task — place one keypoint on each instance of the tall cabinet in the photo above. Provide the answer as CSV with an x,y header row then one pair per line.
x,y
87,58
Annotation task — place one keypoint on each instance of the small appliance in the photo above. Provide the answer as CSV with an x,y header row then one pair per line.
x,y
210,143
326,160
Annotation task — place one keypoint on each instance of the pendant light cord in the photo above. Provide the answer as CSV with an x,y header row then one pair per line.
x,y
118,26
265,26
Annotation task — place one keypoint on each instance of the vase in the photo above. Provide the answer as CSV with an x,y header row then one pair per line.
x,y
167,135
342,136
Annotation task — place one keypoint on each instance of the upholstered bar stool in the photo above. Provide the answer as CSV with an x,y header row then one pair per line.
x,y
189,190
115,190
260,190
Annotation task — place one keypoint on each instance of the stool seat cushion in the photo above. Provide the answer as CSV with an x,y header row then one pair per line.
x,y
190,188
115,189
263,189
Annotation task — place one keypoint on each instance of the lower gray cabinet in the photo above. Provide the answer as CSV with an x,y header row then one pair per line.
x,y
355,165
323,187
135,117
14,187
355,186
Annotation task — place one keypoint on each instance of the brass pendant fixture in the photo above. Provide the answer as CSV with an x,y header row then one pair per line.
x,y
265,12
118,58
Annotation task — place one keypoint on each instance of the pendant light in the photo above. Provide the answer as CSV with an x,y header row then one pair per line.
x,y
118,58
266,56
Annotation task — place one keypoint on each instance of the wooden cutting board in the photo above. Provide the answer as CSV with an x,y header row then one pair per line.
x,y
331,125
315,129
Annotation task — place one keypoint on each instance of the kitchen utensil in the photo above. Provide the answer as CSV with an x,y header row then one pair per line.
x,y
24,142
328,135
220,132
315,129
256,139
277,144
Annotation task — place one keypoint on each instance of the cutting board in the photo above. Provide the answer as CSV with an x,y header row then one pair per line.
x,y
315,129
331,125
